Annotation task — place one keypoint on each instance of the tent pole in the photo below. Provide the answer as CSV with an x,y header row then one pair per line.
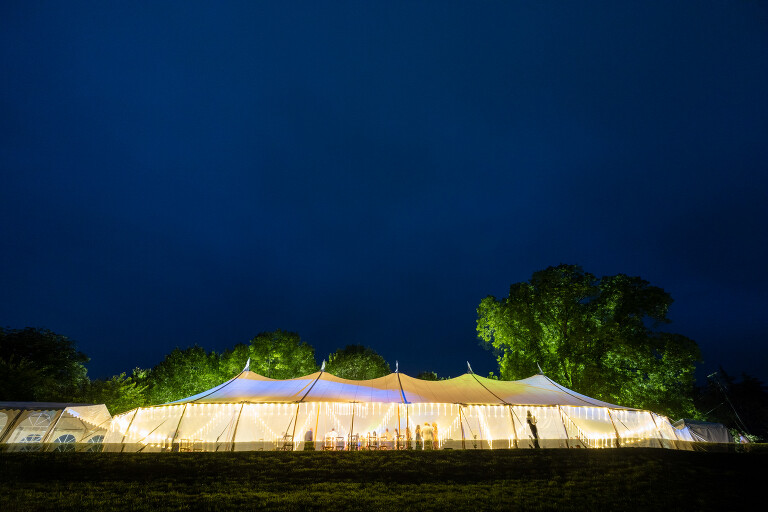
x,y
562,420
122,448
295,421
11,426
49,432
178,425
397,441
618,438
461,423
514,430
237,423
480,428
351,428
657,429
317,424
407,428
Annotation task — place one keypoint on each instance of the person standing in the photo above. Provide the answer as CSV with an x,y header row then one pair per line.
x,y
531,419
309,443
426,433
418,437
435,440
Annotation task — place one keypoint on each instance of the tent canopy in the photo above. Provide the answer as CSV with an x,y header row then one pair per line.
x,y
250,387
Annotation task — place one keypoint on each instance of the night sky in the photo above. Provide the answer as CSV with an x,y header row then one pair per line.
x,y
365,173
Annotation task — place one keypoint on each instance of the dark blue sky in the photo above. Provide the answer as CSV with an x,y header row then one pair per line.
x,y
359,172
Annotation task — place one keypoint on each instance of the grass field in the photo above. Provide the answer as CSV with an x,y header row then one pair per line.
x,y
616,479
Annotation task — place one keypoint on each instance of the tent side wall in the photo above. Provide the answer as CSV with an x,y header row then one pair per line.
x,y
61,427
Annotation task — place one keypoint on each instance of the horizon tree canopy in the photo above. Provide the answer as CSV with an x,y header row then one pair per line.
x,y
596,335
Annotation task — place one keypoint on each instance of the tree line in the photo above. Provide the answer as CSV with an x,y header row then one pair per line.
x,y
604,337
41,365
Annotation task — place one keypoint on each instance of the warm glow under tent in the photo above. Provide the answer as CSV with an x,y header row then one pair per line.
x,y
253,412
32,426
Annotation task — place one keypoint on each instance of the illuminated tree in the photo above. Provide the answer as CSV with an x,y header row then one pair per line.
x,y
596,336
181,374
119,393
278,354
357,362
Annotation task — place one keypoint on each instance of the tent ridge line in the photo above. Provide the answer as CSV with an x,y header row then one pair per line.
x,y
313,384
567,392
402,392
215,389
488,390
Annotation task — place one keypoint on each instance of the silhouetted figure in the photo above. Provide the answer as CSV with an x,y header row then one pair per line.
x,y
418,437
531,419
309,443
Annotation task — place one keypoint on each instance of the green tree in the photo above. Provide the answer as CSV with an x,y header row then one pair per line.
x,y
427,376
357,362
596,336
119,393
39,365
278,354
181,374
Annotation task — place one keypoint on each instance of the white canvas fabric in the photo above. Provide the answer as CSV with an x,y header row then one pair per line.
x,y
250,387
29,425
253,412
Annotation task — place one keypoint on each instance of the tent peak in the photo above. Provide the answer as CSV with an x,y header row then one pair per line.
x,y
469,368
247,365
322,367
397,367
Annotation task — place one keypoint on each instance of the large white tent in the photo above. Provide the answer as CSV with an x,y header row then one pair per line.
x,y
253,412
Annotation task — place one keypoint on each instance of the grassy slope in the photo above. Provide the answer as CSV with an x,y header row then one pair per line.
x,y
631,479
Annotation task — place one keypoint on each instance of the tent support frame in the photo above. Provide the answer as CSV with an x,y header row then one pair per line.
x,y
657,429
178,425
122,443
11,426
237,423
618,438
514,429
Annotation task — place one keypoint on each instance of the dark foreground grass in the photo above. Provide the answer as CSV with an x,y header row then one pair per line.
x,y
618,479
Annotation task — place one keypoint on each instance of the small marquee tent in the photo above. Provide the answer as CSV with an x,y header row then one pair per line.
x,y
253,412
702,431
28,426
